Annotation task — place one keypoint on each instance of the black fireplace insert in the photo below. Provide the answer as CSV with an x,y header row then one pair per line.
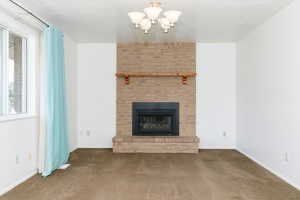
x,y
155,119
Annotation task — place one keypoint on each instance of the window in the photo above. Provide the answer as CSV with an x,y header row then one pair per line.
x,y
13,72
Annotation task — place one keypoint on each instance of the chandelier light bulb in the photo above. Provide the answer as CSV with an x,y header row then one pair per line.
x,y
136,17
146,25
165,24
172,16
153,13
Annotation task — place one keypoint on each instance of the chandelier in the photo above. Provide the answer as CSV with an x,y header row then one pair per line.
x,y
151,16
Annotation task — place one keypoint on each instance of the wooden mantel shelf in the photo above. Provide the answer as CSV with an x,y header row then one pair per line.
x,y
183,76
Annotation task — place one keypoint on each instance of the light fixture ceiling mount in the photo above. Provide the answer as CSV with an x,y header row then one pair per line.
x,y
151,16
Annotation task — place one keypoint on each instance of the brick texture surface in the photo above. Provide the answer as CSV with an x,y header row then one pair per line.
x,y
156,58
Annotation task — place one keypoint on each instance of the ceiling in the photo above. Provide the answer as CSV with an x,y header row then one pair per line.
x,y
107,21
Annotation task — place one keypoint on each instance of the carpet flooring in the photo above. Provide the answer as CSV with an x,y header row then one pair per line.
x,y
98,174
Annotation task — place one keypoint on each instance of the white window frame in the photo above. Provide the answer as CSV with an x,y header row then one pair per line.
x,y
4,81
1,71
28,75
24,74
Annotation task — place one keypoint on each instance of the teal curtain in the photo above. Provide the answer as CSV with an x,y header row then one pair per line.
x,y
57,147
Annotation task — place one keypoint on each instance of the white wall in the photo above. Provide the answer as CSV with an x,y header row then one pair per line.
x,y
18,147
71,89
18,137
268,90
96,95
216,95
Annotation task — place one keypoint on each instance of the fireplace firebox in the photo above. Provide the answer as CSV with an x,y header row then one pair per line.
x,y
155,119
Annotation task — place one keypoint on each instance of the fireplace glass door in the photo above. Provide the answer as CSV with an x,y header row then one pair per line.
x,y
155,119
161,123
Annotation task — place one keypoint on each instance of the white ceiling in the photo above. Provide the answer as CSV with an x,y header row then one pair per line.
x,y
202,20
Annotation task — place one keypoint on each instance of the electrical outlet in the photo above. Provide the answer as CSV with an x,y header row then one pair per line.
x,y
29,156
88,133
17,159
286,157
224,134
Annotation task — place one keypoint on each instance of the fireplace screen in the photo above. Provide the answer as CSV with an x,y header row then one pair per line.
x,y
155,122
155,119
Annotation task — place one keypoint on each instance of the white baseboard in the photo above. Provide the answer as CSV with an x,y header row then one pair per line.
x,y
216,147
284,178
72,150
95,147
21,180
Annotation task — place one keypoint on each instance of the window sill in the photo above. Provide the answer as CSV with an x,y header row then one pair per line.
x,y
16,117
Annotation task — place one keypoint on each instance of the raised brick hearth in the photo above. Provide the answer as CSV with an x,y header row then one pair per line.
x,y
157,144
156,58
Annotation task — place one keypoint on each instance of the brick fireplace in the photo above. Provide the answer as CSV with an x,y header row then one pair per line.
x,y
156,58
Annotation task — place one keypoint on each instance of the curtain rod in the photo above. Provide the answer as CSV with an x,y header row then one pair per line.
x,y
30,13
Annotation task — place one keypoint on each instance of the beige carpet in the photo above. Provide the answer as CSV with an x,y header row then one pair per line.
x,y
210,175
